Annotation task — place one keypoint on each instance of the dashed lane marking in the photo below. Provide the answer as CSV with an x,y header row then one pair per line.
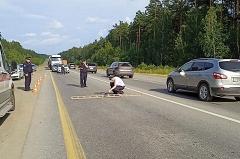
x,y
72,143
103,96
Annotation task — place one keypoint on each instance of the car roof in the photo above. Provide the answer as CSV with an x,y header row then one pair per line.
x,y
213,60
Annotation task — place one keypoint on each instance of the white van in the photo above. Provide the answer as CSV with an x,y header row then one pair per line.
x,y
7,98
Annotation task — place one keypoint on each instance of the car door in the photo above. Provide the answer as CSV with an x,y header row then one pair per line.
x,y
111,68
195,75
180,78
4,78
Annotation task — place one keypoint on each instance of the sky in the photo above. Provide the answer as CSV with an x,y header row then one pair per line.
x,y
52,26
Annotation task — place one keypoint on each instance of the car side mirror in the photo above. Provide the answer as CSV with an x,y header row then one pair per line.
x,y
182,73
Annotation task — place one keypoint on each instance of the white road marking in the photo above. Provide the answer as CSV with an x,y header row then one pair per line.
x,y
177,103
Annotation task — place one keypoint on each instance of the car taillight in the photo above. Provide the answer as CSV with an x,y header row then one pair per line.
x,y
219,76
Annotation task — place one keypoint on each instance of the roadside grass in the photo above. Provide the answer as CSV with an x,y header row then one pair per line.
x,y
152,69
149,69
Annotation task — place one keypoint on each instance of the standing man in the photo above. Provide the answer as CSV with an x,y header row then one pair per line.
x,y
27,69
117,85
83,73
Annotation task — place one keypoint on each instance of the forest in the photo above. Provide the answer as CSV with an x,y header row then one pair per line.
x,y
16,54
169,33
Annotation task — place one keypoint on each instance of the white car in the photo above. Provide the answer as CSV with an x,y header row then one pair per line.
x,y
59,68
17,74
67,70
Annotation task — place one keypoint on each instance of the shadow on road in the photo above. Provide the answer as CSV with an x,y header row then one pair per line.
x,y
21,88
190,95
4,118
73,85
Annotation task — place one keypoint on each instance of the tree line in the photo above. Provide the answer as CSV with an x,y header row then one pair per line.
x,y
169,32
16,54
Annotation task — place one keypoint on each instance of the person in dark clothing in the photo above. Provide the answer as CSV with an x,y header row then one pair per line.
x,y
62,69
27,69
83,74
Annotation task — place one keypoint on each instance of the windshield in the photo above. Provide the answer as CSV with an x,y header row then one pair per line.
x,y
91,64
125,65
230,65
56,59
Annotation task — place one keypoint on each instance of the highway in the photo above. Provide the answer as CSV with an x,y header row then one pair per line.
x,y
145,123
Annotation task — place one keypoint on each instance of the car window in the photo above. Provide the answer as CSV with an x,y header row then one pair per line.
x,y
230,65
208,65
187,66
125,65
112,65
198,66
91,64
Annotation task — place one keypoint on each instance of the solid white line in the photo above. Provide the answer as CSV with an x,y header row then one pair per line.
x,y
177,103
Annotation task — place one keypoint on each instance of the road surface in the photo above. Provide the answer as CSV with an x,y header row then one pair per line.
x,y
145,123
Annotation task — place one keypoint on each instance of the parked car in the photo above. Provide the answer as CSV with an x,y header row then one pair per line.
x,y
67,70
207,77
34,67
7,100
17,74
92,67
72,66
121,69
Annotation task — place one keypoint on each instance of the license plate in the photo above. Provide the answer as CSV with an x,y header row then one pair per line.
x,y
91,68
236,79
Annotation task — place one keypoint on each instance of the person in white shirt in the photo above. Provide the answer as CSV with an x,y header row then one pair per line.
x,y
117,85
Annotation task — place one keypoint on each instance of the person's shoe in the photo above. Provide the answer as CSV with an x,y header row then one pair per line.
x,y
85,86
121,92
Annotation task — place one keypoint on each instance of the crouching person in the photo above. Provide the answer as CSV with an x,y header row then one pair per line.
x,y
117,85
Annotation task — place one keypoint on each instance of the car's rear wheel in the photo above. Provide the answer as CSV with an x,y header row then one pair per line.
x,y
131,76
170,86
204,93
12,100
237,98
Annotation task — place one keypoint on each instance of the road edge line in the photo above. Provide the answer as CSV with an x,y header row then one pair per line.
x,y
72,144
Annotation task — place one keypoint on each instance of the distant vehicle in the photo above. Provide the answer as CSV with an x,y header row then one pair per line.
x,y
20,66
7,100
55,68
72,66
92,67
207,77
17,74
121,69
66,69
53,60
34,67
59,68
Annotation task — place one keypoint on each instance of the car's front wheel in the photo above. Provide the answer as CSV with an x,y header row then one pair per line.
x,y
204,93
237,98
170,86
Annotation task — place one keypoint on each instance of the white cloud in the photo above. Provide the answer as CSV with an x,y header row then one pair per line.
x,y
45,39
128,20
36,16
55,24
30,34
102,33
96,20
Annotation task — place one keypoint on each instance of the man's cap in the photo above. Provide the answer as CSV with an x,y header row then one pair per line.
x,y
28,58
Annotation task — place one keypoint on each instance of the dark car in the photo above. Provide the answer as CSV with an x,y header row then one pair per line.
x,y
120,69
92,67
72,66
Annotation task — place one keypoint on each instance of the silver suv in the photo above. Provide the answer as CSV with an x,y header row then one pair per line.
x,y
209,77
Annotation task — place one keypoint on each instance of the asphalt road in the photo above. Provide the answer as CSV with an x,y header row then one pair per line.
x,y
147,122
